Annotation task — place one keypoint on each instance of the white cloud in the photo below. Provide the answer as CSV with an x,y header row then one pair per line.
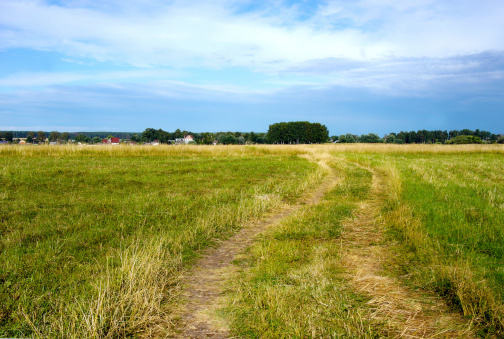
x,y
210,34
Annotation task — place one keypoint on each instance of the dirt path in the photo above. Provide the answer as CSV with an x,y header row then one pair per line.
x,y
204,283
404,312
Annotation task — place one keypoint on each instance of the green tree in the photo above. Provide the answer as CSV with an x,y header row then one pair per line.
x,y
227,139
370,138
41,136
135,138
97,140
347,138
465,139
54,136
178,134
65,136
297,132
207,138
8,136
81,138
29,137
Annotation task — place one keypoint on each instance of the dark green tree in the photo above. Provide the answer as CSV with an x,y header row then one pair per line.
x,y
347,138
8,136
81,138
465,139
297,132
207,138
41,136
227,139
29,137
370,138
54,136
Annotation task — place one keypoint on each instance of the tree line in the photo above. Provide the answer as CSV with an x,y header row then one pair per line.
x,y
424,137
205,138
298,132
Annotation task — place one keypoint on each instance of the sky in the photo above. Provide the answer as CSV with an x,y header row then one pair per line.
x,y
356,66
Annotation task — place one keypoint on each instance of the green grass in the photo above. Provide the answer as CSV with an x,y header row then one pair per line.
x,y
92,238
90,242
449,220
292,284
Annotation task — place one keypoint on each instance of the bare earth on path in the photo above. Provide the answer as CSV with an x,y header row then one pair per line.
x,y
204,282
405,313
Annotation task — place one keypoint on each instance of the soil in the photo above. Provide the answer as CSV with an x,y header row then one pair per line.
x,y
403,312
204,283
400,311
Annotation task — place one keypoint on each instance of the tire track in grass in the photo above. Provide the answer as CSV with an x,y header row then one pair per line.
x,y
403,312
204,282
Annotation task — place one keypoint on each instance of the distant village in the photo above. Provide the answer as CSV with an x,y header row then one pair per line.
x,y
300,132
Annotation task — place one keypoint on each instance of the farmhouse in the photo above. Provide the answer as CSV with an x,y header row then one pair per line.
x,y
188,138
112,141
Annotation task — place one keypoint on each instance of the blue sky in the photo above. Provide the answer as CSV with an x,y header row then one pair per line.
x,y
356,66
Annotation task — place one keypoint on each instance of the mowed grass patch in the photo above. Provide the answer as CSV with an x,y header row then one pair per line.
x,y
292,284
447,212
91,242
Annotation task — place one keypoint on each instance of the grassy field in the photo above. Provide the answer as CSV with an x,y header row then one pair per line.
x,y
446,211
93,238
292,283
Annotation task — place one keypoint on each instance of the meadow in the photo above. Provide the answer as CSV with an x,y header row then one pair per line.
x,y
94,238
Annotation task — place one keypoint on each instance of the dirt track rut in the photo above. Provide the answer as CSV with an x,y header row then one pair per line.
x,y
204,283
402,312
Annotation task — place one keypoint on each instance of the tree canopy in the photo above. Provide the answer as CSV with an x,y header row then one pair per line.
x,y
297,132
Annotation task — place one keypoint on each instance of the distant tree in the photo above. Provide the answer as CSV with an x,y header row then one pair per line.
x,y
297,132
54,136
465,139
135,138
1,135
8,136
347,138
370,138
391,138
41,136
96,140
150,134
207,138
227,139
29,137
178,134
65,136
335,138
252,137
500,140
82,138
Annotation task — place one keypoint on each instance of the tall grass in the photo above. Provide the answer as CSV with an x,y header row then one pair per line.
x,y
446,209
292,283
91,240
